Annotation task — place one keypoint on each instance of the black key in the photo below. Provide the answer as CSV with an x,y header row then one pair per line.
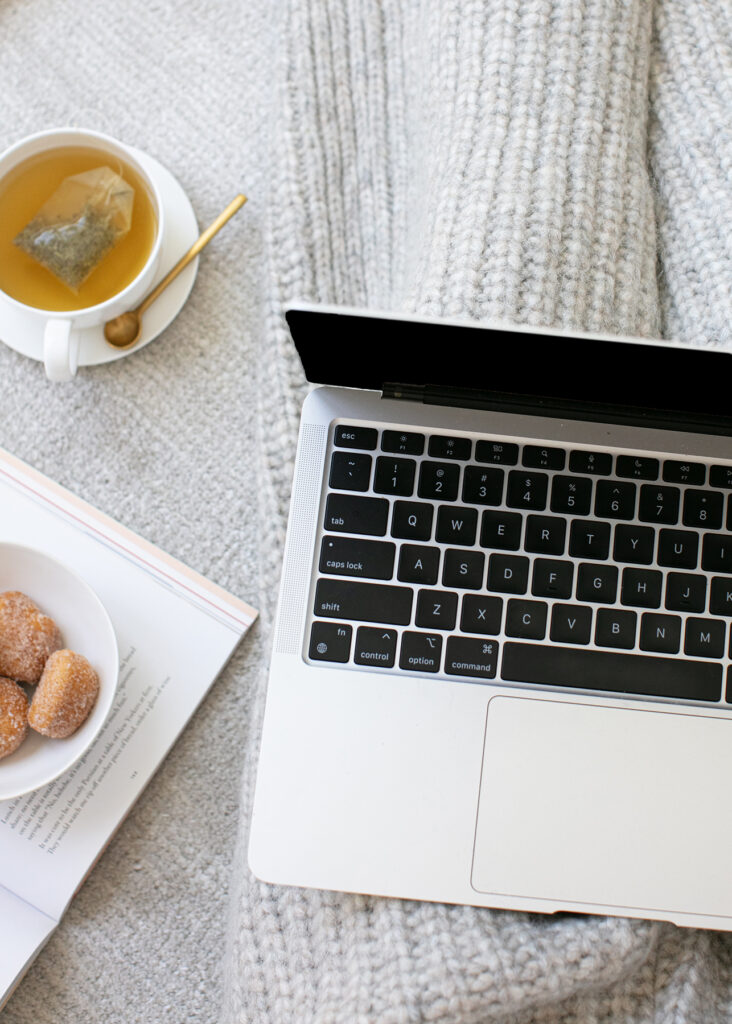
x,y
483,486
394,476
571,494
350,471
717,552
421,652
597,583
545,535
477,659
721,476
729,513
508,574
438,480
552,578
436,609
347,513
368,602
571,624
498,452
676,472
456,525
615,628
678,549
643,674
703,508
537,457
638,466
641,588
615,500
634,544
401,442
589,539
501,530
355,437
728,695
353,556
412,520
330,641
526,619
660,633
418,564
375,646
720,600
527,490
463,569
596,463
481,614
686,593
704,638
659,504
450,447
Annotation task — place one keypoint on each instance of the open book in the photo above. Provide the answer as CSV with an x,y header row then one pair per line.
x,y
175,632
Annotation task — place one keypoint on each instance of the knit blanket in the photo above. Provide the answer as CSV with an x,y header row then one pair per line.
x,y
548,162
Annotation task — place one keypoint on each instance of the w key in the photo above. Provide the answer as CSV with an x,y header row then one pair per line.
x,y
456,525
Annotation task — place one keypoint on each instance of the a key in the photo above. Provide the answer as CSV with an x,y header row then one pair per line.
x,y
703,508
350,471
571,494
659,504
571,624
597,583
641,588
676,472
402,442
353,556
436,609
347,513
418,564
438,480
589,539
721,476
375,647
596,463
498,452
678,549
637,466
615,499
527,490
394,476
456,524
545,535
501,530
355,437
717,552
450,447
720,600
660,633
464,569
537,457
552,578
330,641
466,656
686,593
508,574
634,544
483,486
365,602
615,628
526,619
704,638
481,614
421,652
412,520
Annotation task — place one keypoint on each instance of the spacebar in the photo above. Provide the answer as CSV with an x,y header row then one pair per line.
x,y
606,670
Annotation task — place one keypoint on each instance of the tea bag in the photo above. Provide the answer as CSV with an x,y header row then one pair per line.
x,y
78,225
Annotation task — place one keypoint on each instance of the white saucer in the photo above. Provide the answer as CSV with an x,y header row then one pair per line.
x,y
180,233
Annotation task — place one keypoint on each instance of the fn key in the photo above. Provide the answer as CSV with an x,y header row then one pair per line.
x,y
330,641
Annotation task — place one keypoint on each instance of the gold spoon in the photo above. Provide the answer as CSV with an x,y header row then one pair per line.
x,y
124,330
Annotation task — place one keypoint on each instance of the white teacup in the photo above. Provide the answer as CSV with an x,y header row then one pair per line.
x,y
61,330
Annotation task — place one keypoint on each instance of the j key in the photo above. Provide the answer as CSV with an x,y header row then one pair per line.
x,y
571,494
703,508
466,656
498,452
588,539
355,437
527,490
597,463
421,652
637,466
394,476
501,530
552,578
571,624
508,574
353,556
634,544
615,500
438,480
412,520
610,671
367,602
402,442
720,599
330,641
615,628
481,614
375,646
660,633
450,447
436,609
641,588
678,549
347,513
659,504
456,525
597,583
418,564
464,569
350,471
545,534
721,476
483,486
704,638
684,472
717,552
686,593
526,619
536,457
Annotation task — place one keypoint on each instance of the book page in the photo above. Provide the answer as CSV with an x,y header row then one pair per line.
x,y
20,943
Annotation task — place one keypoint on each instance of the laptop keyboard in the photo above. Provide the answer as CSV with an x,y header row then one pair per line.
x,y
481,559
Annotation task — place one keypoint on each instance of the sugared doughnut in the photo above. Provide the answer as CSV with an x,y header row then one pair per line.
x,y
27,637
64,696
13,716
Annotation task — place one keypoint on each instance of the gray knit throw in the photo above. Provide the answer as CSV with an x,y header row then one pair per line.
x,y
558,162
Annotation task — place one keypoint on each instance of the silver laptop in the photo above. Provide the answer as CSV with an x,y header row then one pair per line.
x,y
501,666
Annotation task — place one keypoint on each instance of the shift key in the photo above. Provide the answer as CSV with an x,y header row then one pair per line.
x,y
364,602
350,513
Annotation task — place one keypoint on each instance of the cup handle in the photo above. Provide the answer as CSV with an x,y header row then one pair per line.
x,y
60,350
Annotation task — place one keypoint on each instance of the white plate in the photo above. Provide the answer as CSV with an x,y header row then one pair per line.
x,y
85,628
180,233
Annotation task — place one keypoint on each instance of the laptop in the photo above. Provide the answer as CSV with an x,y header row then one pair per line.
x,y
501,668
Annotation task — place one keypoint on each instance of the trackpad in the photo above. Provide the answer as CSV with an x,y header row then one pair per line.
x,y
587,804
